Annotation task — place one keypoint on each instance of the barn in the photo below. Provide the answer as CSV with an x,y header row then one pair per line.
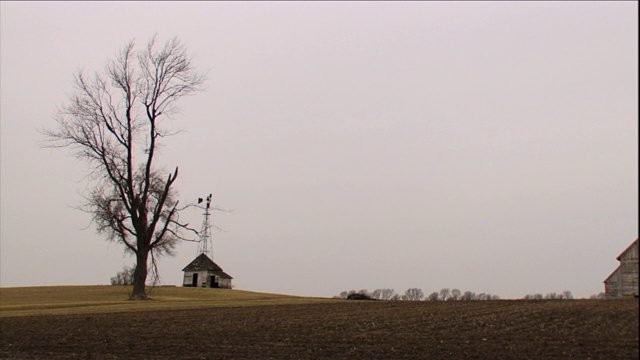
x,y
623,282
204,272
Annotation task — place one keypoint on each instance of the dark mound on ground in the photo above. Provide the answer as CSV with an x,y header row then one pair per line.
x,y
359,297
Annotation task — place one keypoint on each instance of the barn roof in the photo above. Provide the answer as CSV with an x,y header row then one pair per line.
x,y
619,258
612,274
627,249
204,263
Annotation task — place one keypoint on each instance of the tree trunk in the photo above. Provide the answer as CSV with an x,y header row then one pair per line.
x,y
140,277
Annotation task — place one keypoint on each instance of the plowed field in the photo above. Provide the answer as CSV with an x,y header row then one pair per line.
x,y
505,329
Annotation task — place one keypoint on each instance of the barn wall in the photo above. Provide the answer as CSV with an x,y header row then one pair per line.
x,y
628,283
624,282
612,285
629,271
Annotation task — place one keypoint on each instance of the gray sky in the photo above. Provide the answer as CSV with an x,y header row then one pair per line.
x,y
489,147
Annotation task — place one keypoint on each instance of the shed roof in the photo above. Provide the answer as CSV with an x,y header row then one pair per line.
x,y
204,263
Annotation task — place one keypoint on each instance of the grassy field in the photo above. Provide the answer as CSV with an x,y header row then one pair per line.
x,y
65,300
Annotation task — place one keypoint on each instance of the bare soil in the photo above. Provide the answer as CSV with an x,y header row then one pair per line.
x,y
504,329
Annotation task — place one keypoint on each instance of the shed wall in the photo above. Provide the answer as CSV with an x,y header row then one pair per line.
x,y
204,279
224,283
188,278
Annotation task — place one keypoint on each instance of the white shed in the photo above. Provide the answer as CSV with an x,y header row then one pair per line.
x,y
204,272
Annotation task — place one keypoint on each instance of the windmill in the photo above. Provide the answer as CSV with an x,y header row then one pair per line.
x,y
203,271
205,245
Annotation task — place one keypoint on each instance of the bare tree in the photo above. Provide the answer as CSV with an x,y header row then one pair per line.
x,y
444,294
455,295
567,295
387,294
468,296
114,120
124,277
414,294
382,294
433,296
551,296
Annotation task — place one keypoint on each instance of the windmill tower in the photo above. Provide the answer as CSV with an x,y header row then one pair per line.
x,y
205,245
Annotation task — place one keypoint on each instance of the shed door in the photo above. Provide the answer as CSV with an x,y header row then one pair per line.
x,y
195,280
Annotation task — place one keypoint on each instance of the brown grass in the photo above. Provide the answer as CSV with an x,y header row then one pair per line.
x,y
65,300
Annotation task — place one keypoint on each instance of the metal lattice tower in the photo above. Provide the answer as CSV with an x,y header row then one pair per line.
x,y
205,246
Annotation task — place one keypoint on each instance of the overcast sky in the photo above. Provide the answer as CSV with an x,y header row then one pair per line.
x,y
489,147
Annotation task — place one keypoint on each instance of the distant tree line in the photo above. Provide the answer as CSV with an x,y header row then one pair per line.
x,y
565,295
446,294
415,294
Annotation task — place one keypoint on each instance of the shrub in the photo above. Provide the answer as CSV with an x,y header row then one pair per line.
x,y
124,277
